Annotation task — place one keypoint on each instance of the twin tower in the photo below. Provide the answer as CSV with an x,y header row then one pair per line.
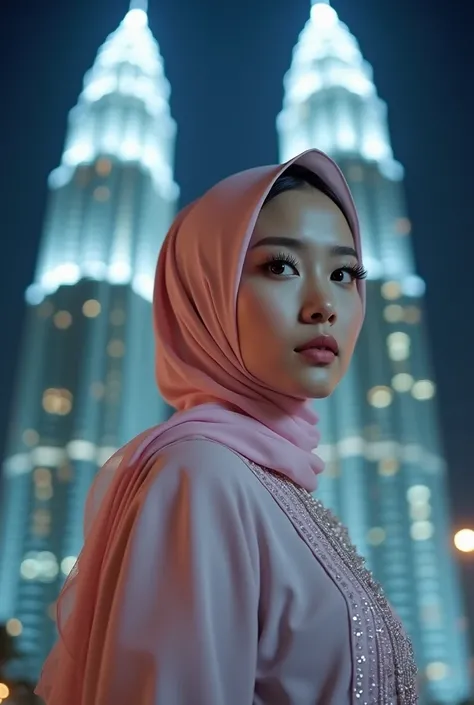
x,y
85,370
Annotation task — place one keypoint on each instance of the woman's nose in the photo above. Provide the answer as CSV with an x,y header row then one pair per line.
x,y
319,309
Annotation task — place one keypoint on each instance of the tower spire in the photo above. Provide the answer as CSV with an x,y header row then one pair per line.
x,y
139,5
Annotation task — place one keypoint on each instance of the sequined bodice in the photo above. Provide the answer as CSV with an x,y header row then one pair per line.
x,y
384,671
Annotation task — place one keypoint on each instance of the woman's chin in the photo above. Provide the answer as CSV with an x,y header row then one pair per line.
x,y
310,383
319,382
312,389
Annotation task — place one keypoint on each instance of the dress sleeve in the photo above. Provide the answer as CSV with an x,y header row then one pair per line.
x,y
182,627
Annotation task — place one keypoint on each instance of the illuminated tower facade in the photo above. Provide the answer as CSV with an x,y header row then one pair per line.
x,y
85,375
386,476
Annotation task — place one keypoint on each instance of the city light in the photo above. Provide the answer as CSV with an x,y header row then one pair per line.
x,y
4,691
464,540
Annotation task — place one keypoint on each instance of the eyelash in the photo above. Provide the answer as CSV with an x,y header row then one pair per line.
x,y
356,271
281,258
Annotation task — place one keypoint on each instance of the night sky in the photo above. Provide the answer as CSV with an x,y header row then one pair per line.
x,y
226,60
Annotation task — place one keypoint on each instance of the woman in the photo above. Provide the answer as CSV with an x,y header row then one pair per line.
x,y
210,575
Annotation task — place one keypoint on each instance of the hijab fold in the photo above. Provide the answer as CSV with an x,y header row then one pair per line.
x,y
200,372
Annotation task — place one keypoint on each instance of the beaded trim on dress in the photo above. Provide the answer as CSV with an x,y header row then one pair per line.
x,y
384,667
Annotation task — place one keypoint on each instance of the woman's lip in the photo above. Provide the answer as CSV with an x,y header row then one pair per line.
x,y
321,357
322,342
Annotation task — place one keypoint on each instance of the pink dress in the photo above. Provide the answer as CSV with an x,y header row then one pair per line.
x,y
236,587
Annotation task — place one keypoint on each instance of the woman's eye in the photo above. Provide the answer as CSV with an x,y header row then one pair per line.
x,y
281,269
284,266
343,276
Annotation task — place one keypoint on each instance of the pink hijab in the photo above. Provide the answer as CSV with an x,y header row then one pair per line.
x,y
200,372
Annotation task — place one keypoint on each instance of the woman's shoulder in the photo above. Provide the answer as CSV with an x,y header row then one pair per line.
x,y
204,486
204,465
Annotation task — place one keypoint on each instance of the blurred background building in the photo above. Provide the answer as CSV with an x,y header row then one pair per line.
x,y
385,474
88,324
88,330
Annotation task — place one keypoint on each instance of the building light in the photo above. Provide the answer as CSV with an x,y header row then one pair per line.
x,y
82,450
374,148
103,167
57,401
43,494
67,273
91,308
380,397
116,348
402,382
420,511
143,286
135,19
376,535
30,437
398,346
421,530
41,522
350,446
119,272
14,627
437,671
423,390
418,494
403,226
42,476
67,564
47,456
102,194
393,313
62,320
412,315
42,566
29,569
388,467
391,290
324,15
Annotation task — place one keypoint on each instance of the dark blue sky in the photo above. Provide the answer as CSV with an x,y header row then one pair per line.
x,y
225,60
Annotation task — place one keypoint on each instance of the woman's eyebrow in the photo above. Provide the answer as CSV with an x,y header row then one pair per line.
x,y
294,243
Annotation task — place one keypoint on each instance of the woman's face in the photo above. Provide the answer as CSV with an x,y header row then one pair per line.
x,y
298,289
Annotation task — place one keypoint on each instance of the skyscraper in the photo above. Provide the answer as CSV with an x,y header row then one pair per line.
x,y
386,476
85,375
